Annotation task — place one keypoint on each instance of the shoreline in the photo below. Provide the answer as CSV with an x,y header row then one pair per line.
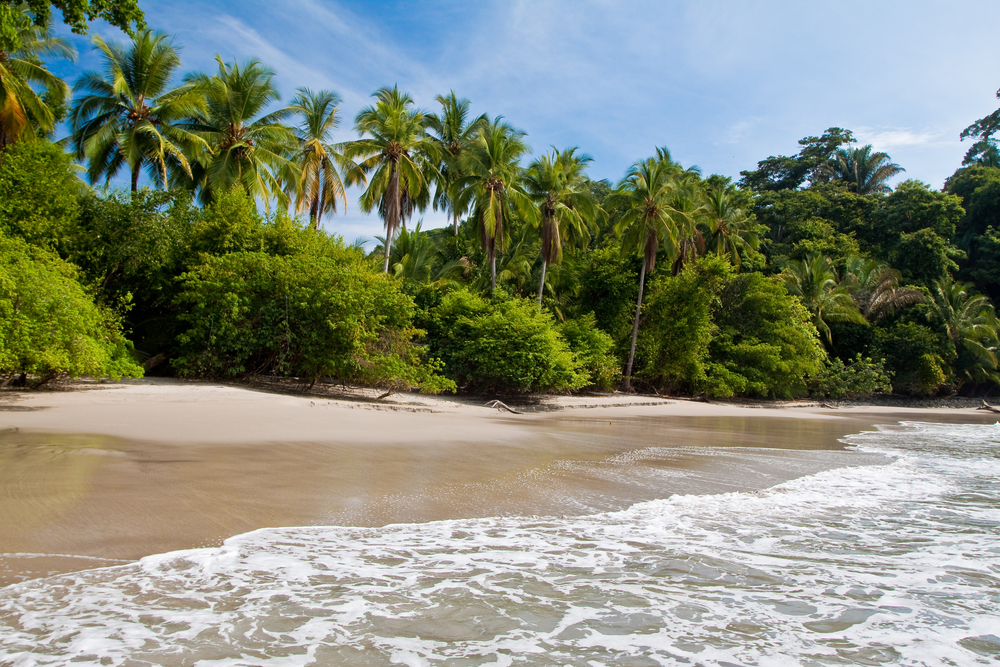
x,y
105,474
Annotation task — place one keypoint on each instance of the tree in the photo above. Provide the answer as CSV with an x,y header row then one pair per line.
x,y
452,132
789,173
492,185
557,184
874,286
130,117
971,324
815,281
864,171
647,221
397,155
984,149
245,148
38,194
320,185
23,111
123,14
734,233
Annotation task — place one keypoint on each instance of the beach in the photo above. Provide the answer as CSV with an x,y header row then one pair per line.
x,y
104,474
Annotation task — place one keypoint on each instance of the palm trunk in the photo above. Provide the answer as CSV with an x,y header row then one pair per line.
x,y
493,269
635,330
388,244
541,283
314,214
454,221
135,179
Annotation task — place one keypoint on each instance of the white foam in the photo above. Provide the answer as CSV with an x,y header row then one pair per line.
x,y
893,564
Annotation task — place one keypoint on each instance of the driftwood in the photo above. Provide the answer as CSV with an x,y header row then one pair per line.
x,y
501,406
987,406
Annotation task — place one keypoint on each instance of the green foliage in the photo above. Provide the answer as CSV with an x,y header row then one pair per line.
x,y
503,345
765,344
594,350
253,313
49,325
673,345
608,288
924,257
912,356
858,378
38,193
788,173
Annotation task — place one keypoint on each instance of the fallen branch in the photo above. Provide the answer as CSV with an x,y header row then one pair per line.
x,y
501,406
987,406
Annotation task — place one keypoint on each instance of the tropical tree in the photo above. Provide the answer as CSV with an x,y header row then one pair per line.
x,y
452,131
245,148
733,232
492,185
647,221
815,281
320,186
396,154
874,286
863,170
23,111
558,185
971,324
129,117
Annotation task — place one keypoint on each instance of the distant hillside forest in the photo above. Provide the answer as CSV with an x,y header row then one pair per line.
x,y
810,275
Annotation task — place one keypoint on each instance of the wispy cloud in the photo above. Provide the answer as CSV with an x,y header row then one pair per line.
x,y
890,138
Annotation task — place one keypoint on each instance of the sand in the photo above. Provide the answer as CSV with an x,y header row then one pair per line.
x,y
103,474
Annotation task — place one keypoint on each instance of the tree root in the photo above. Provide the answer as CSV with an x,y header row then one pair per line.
x,y
502,406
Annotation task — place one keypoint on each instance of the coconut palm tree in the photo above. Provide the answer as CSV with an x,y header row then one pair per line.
x,y
24,113
864,171
971,324
245,148
129,116
733,232
874,286
815,281
398,157
647,222
319,161
492,185
452,131
558,185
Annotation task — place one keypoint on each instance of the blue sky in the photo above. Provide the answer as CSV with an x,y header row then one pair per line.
x,y
723,84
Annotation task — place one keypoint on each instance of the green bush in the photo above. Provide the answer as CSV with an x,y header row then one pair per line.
x,y
861,377
38,193
503,345
912,353
594,350
765,343
254,313
49,325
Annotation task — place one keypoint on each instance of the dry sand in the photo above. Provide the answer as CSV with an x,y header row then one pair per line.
x,y
110,473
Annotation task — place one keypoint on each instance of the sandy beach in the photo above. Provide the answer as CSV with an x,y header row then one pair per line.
x,y
109,473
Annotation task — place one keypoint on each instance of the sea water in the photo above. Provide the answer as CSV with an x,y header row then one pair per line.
x,y
896,563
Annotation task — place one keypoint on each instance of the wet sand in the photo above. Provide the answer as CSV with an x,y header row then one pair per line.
x,y
110,474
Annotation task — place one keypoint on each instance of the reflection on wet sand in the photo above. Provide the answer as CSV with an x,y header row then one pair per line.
x,y
66,497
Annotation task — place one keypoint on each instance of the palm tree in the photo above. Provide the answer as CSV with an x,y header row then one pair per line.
x,y
864,171
320,185
397,155
492,184
971,324
733,231
452,133
647,222
874,286
815,281
561,190
245,148
23,112
130,117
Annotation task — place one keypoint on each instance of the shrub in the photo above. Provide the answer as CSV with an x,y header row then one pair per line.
x,y
861,377
912,354
308,316
49,325
503,345
38,193
594,350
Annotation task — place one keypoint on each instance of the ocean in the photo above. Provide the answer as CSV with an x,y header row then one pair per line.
x,y
895,561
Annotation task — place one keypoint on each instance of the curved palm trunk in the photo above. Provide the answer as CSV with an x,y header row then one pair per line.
x,y
393,214
454,221
541,283
135,179
635,330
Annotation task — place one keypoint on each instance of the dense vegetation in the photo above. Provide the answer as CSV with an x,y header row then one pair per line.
x,y
810,274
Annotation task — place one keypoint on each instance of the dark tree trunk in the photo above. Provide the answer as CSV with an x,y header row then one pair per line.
x,y
135,179
635,330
